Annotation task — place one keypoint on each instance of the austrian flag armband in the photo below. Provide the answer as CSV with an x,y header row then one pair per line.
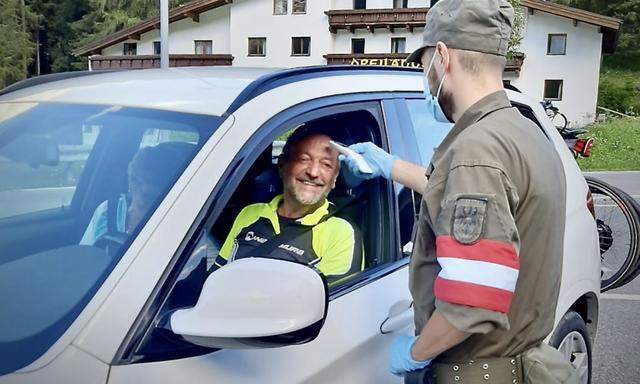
x,y
475,250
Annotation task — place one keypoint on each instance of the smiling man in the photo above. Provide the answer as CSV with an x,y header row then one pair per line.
x,y
298,225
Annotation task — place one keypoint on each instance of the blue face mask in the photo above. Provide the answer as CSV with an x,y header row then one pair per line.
x,y
432,101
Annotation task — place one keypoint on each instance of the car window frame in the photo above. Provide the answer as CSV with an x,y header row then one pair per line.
x,y
219,197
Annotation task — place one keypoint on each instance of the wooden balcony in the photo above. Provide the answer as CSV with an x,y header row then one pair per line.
x,y
372,19
514,64
153,61
398,60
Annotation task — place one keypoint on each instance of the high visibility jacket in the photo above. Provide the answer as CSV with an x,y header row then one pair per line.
x,y
332,245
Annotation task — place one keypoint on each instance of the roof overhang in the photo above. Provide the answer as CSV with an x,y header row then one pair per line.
x,y
190,10
609,26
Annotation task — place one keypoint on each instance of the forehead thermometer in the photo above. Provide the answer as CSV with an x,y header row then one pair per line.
x,y
361,163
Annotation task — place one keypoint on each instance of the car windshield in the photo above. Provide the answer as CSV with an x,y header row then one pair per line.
x,y
77,183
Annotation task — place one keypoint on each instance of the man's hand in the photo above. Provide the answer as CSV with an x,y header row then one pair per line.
x,y
380,161
401,361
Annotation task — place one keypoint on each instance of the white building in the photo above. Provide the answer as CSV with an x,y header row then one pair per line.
x,y
560,61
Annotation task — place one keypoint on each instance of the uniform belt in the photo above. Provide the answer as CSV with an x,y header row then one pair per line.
x,y
499,370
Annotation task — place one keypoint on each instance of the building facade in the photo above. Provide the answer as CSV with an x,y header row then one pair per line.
x,y
560,54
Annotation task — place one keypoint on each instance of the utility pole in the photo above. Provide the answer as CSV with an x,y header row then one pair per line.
x,y
164,34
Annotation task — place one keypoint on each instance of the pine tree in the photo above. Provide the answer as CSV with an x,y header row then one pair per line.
x,y
16,47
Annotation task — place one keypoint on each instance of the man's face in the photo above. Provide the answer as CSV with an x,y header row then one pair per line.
x,y
311,171
445,98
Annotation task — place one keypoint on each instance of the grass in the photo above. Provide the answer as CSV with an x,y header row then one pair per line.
x,y
617,146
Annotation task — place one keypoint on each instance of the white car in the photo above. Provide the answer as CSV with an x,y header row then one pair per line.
x,y
88,298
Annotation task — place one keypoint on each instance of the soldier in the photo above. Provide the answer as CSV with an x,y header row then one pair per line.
x,y
487,262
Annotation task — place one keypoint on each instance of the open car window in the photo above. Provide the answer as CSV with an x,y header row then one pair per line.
x,y
362,204
77,183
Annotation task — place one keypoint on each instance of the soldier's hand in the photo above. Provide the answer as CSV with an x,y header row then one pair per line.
x,y
378,159
400,359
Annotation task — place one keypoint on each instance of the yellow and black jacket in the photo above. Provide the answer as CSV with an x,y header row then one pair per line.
x,y
333,245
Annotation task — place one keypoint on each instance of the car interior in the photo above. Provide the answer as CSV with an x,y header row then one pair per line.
x,y
355,203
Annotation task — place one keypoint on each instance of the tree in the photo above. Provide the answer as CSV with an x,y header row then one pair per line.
x,y
16,47
109,16
628,50
518,25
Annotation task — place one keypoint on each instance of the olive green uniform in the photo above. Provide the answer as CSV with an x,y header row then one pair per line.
x,y
489,244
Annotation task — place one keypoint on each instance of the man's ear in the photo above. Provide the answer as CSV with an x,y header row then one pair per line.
x,y
443,51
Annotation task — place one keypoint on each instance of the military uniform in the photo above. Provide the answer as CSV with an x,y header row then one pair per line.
x,y
489,244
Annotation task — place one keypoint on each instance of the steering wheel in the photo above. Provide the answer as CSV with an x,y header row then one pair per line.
x,y
111,242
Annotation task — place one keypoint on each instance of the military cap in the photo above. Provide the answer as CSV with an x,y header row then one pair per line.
x,y
472,25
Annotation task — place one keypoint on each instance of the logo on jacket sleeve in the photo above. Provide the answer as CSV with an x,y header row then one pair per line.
x,y
250,236
468,219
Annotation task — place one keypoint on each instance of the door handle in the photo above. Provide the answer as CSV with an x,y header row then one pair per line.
x,y
400,316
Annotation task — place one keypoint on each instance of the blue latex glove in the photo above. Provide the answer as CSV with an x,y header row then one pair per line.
x,y
379,160
400,360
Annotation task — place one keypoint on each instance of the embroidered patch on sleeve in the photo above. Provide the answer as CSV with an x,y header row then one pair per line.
x,y
468,219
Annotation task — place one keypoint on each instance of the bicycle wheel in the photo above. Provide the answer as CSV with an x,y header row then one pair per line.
x,y
618,226
559,121
635,270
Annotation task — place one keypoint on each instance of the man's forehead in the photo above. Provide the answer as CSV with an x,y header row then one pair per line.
x,y
315,142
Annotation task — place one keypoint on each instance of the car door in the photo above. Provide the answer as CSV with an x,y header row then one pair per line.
x,y
364,310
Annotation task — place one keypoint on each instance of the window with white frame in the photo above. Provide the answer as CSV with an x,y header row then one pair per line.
x,y
557,44
357,45
203,47
400,3
156,48
257,46
129,49
359,4
280,7
398,44
299,6
553,89
300,46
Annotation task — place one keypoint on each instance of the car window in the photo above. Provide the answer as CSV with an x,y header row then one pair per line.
x,y
254,195
428,132
48,181
77,183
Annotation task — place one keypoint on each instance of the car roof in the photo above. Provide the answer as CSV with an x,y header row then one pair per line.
x,y
214,91
202,90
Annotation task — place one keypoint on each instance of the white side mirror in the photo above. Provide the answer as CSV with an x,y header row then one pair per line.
x,y
255,302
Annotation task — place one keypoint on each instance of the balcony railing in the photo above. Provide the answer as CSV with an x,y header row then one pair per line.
x,y
398,60
153,61
372,19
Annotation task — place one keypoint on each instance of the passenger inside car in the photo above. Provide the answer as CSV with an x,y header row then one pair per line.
x,y
300,224
148,176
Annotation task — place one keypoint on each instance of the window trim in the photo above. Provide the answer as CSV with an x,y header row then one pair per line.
x,y
293,12
293,45
405,4
124,51
286,8
220,195
195,46
564,50
264,48
157,43
560,91
364,44
396,39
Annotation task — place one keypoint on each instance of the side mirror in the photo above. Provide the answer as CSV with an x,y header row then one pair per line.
x,y
255,303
